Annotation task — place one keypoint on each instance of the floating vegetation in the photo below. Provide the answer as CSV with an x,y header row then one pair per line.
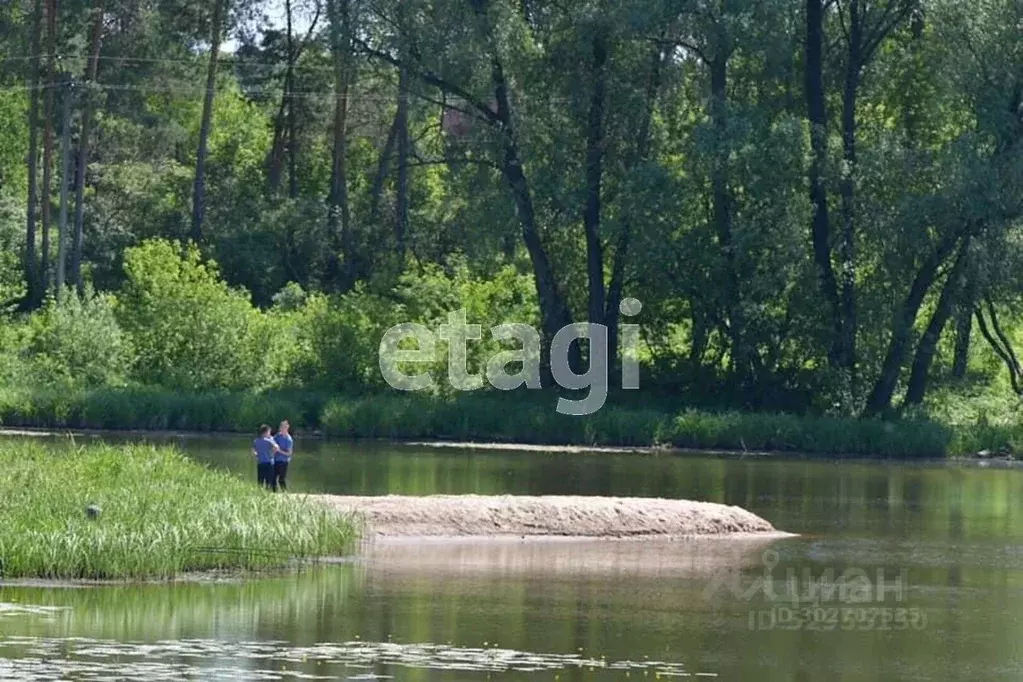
x,y
10,609
87,659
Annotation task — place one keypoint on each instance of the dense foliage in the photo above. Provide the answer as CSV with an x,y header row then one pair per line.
x,y
817,203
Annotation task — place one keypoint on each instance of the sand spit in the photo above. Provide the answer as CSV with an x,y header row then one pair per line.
x,y
395,516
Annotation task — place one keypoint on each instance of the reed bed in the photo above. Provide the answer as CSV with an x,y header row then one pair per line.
x,y
161,515
527,417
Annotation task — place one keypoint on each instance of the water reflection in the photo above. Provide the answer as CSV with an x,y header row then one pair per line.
x,y
533,611
551,558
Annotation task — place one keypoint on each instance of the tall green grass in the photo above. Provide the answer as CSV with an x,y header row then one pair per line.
x,y
526,417
162,515
536,421
156,409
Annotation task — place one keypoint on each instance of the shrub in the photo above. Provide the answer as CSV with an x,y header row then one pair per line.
x,y
189,329
78,341
337,340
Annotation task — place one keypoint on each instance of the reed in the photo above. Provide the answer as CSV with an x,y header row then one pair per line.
x,y
527,417
162,515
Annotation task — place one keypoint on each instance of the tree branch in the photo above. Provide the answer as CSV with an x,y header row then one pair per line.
x,y
1001,335
895,12
999,351
685,45
309,34
481,110
841,20
452,161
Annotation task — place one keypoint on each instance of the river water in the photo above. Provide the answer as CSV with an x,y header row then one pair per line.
x,y
900,572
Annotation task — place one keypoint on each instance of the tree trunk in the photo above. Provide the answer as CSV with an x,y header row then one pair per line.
x,y
292,119
880,397
285,138
339,216
383,169
401,124
821,229
964,325
83,144
964,328
854,65
1000,346
199,188
32,294
939,318
49,115
640,153
65,171
275,159
722,208
594,177
553,310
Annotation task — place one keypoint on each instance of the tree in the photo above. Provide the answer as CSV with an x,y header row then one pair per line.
x,y
199,186
32,294
95,42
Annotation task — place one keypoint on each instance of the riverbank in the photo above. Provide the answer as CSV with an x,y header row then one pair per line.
x,y
528,419
143,513
484,516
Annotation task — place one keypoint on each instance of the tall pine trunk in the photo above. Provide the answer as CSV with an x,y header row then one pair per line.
x,y
95,41
401,123
32,294
199,188
339,212
65,181
402,197
292,124
50,115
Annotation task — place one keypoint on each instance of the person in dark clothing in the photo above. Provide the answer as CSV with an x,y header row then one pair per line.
x,y
285,444
264,448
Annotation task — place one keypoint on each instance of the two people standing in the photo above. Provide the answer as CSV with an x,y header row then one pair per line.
x,y
273,454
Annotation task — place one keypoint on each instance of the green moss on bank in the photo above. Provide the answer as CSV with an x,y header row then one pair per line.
x,y
162,515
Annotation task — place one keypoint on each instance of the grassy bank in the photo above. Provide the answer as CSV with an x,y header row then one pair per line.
x,y
539,423
529,418
162,515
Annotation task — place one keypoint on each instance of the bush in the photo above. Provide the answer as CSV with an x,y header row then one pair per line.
x,y
189,329
78,341
336,340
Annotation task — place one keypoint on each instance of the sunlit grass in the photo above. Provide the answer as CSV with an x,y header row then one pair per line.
x,y
162,515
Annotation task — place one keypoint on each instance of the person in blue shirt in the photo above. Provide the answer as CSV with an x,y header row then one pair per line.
x,y
285,444
264,448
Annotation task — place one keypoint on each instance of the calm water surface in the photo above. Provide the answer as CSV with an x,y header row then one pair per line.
x,y
938,549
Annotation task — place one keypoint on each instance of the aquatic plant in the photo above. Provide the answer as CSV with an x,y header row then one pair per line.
x,y
162,515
